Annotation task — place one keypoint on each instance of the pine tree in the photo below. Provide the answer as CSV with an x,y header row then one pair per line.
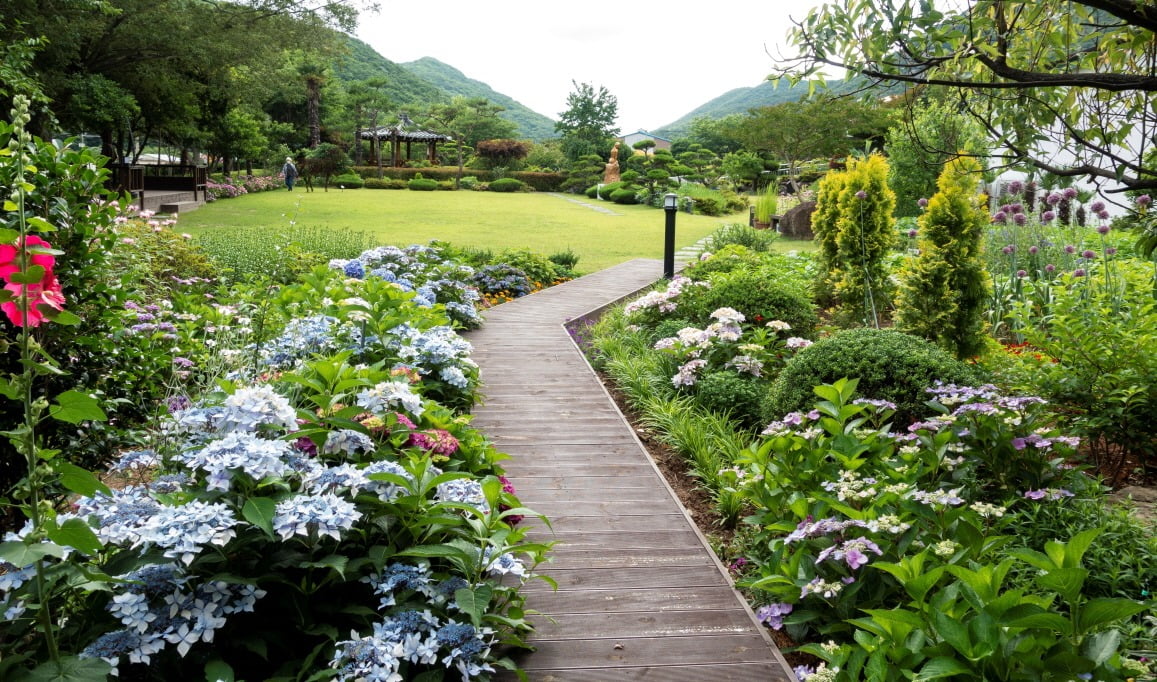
x,y
866,234
943,291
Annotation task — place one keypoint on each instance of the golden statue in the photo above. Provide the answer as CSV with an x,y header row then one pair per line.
x,y
611,174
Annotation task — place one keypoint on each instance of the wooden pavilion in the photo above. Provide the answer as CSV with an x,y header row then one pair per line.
x,y
404,132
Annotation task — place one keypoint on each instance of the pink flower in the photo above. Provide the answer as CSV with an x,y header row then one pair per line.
x,y
45,292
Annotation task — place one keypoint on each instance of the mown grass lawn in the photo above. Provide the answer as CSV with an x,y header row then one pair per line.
x,y
544,223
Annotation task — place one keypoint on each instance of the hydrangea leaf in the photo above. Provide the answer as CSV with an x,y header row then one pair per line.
x,y
79,480
71,669
260,512
20,555
77,534
75,407
474,602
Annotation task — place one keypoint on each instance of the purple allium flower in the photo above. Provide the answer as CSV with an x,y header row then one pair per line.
x,y
1019,218
1103,215
1016,187
1000,217
922,202
1079,272
1021,274
1144,200
1069,248
1088,254
1097,206
1033,250
1050,268
912,233
1048,216
1111,251
861,194
1008,249
1053,199
1069,193
1103,229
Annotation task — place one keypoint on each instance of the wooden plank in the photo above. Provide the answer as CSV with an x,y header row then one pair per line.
x,y
712,672
564,525
636,578
653,600
641,558
651,651
668,624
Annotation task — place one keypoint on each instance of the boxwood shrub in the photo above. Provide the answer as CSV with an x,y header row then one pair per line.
x,y
740,396
763,297
507,185
423,185
625,195
348,181
889,364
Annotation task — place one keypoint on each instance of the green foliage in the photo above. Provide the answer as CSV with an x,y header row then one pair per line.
x,y
921,144
1091,336
729,258
767,203
942,293
419,184
507,185
736,395
625,195
889,365
349,181
762,296
565,262
282,254
742,167
739,234
588,124
865,206
537,268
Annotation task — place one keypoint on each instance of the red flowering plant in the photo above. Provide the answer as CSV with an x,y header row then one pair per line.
x,y
26,267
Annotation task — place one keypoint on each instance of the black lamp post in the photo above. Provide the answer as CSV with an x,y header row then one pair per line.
x,y
670,205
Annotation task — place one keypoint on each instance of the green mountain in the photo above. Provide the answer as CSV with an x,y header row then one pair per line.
x,y
531,124
740,100
429,80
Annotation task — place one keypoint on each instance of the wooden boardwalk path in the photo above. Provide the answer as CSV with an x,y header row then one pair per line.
x,y
641,596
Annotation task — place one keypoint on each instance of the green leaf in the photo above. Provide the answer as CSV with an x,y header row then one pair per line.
x,y
953,632
474,602
1044,620
1065,581
33,275
78,480
20,555
941,667
1100,647
70,669
61,317
74,407
77,534
336,562
260,512
218,670
41,225
1105,610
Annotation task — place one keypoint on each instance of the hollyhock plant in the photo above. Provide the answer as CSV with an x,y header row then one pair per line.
x,y
43,291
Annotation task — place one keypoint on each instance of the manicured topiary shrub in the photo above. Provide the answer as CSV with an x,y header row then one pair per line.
x,y
376,183
739,395
348,181
537,267
423,185
890,365
507,185
625,196
762,297
711,206
730,258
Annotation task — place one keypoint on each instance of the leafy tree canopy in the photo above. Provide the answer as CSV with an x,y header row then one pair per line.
x,y
588,124
1073,74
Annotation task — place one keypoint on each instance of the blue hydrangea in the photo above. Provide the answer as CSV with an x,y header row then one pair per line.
x,y
347,441
388,396
302,338
399,577
368,659
323,479
464,490
133,460
182,531
385,490
241,452
323,514
355,268
454,376
119,516
247,409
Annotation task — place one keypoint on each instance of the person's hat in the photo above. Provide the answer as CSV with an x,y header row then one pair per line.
x,y
289,159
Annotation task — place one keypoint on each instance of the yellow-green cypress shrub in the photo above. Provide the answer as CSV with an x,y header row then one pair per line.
x,y
943,291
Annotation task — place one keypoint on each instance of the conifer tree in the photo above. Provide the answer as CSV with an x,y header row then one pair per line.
x,y
865,235
943,291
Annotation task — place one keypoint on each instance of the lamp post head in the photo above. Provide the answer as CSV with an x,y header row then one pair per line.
x,y
669,201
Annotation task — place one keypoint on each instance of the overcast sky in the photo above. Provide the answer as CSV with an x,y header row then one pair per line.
x,y
660,59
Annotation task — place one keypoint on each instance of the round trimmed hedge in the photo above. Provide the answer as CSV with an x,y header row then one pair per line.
x,y
507,185
889,364
738,395
423,185
762,297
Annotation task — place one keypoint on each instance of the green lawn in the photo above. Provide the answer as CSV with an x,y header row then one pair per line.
x,y
543,223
